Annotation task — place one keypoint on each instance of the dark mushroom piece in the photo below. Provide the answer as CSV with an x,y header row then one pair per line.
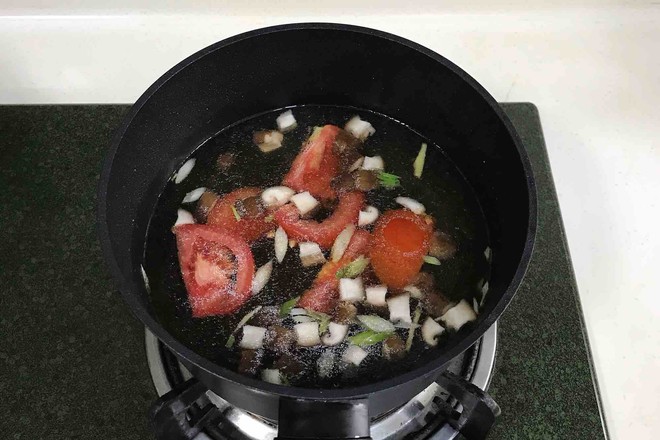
x,y
249,362
225,161
394,347
250,207
204,205
442,246
280,339
289,364
345,312
365,180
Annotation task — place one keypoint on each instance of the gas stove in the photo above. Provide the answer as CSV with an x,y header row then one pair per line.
x,y
419,419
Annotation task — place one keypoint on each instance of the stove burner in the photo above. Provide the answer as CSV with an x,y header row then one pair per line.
x,y
416,420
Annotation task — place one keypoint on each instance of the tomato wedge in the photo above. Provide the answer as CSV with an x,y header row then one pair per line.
x,y
316,165
210,260
325,232
323,294
250,227
400,241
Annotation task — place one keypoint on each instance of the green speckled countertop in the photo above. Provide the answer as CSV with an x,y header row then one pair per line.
x,y
72,361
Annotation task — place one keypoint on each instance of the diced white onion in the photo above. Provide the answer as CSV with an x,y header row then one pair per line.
x,y
354,355
357,164
336,334
351,289
414,291
271,375
430,331
297,311
253,337
326,363
376,323
310,254
411,204
376,295
276,196
359,128
373,163
183,172
183,217
399,307
341,243
146,279
487,253
475,304
368,215
193,195
305,202
272,141
307,333
261,277
286,121
484,291
281,244
458,315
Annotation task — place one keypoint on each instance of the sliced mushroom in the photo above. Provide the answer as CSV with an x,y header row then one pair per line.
x,y
394,347
249,362
345,312
442,246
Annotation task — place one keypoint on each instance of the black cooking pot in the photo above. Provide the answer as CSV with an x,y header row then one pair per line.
x,y
317,64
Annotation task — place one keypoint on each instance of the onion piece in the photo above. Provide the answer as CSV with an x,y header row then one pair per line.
x,y
376,295
336,333
276,196
357,164
368,215
271,375
310,254
268,140
145,278
341,243
475,304
351,289
305,202
458,315
484,291
183,217
253,337
487,253
261,277
281,244
300,319
418,165
296,311
430,331
376,323
183,172
359,128
373,163
286,121
193,195
413,327
399,307
307,333
231,339
326,363
354,355
414,291
411,204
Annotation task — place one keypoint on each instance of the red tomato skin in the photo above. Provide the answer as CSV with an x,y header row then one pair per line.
x,y
325,232
400,242
321,297
222,216
316,165
213,298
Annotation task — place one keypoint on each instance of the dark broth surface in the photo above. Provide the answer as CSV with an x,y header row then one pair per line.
x,y
442,189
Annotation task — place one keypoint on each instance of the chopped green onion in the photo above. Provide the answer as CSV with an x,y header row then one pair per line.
x,y
368,337
354,268
315,133
418,165
388,180
322,318
376,323
236,214
231,339
286,307
413,327
431,260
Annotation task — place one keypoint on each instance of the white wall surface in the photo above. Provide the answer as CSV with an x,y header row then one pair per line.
x,y
592,68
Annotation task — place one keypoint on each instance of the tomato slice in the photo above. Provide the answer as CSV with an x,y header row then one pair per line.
x,y
316,165
217,269
325,232
250,227
400,241
323,294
